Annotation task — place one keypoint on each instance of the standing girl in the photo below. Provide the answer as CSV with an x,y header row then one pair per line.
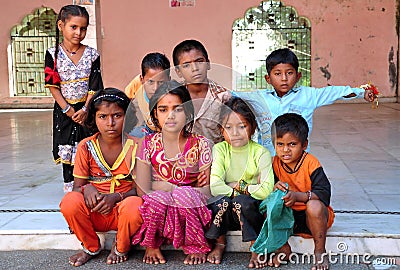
x,y
174,209
241,177
73,75
104,197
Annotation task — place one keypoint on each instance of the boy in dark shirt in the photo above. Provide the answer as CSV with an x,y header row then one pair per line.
x,y
309,190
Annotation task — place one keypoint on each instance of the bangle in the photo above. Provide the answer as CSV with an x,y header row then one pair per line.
x,y
66,109
84,108
309,194
121,195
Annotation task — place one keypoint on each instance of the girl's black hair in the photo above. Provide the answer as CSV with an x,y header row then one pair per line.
x,y
290,123
65,13
111,95
173,88
239,106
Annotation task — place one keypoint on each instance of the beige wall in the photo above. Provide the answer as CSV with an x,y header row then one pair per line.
x,y
351,39
11,14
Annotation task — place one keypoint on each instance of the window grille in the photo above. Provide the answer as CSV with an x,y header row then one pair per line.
x,y
29,42
263,29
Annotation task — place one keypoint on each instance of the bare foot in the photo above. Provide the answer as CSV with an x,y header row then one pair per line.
x,y
257,261
79,258
282,254
153,256
115,256
322,261
195,258
216,254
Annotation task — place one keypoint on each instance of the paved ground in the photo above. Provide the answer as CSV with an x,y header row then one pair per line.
x,y
358,147
58,259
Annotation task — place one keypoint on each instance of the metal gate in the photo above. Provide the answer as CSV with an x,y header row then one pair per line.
x,y
29,42
263,29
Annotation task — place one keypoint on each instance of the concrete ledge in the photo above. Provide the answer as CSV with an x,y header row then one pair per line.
x,y
372,234
63,240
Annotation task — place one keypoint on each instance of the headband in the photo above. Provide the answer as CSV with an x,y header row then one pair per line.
x,y
108,95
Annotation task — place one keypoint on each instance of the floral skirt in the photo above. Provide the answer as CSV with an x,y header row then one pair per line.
x,y
66,135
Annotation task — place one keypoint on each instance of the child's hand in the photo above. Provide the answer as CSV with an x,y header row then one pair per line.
x,y
241,188
70,112
290,198
369,95
370,92
90,194
105,203
202,179
79,116
281,186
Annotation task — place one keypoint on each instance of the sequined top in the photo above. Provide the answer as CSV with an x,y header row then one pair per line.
x,y
76,80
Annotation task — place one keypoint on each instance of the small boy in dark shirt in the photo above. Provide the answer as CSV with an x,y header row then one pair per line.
x,y
309,190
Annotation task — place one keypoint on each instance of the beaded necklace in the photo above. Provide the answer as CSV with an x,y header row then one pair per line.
x,y
72,53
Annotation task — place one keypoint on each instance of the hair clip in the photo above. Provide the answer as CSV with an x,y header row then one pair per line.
x,y
108,95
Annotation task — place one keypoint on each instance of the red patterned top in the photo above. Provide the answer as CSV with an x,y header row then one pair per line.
x,y
183,169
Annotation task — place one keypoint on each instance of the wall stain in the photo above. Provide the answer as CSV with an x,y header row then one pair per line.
x,y
392,69
325,71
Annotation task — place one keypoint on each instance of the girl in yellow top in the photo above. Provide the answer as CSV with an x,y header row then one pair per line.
x,y
241,177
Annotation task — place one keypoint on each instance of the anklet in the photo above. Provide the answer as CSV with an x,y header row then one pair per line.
x,y
89,252
119,254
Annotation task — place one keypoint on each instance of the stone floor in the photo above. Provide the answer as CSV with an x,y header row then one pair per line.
x,y
359,148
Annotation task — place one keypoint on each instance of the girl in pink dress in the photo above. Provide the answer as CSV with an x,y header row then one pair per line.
x,y
169,163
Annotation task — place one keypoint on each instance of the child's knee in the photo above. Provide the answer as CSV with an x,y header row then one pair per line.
x,y
129,208
316,208
71,202
131,205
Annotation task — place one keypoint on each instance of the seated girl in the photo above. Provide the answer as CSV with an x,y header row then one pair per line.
x,y
168,167
241,177
103,196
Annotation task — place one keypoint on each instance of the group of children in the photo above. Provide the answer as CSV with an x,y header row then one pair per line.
x,y
178,177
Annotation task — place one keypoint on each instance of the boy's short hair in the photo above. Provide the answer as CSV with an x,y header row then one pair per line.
x,y
281,56
290,123
155,60
186,46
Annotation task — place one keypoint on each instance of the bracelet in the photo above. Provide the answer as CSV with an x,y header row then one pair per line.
x,y
309,194
66,109
84,108
121,195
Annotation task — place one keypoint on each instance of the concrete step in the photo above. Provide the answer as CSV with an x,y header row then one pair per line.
x,y
352,233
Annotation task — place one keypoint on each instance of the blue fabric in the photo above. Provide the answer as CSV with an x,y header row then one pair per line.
x,y
278,225
301,100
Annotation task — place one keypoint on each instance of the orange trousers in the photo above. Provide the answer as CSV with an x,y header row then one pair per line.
x,y
125,219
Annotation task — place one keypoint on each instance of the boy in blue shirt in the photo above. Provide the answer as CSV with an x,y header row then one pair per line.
x,y
282,68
